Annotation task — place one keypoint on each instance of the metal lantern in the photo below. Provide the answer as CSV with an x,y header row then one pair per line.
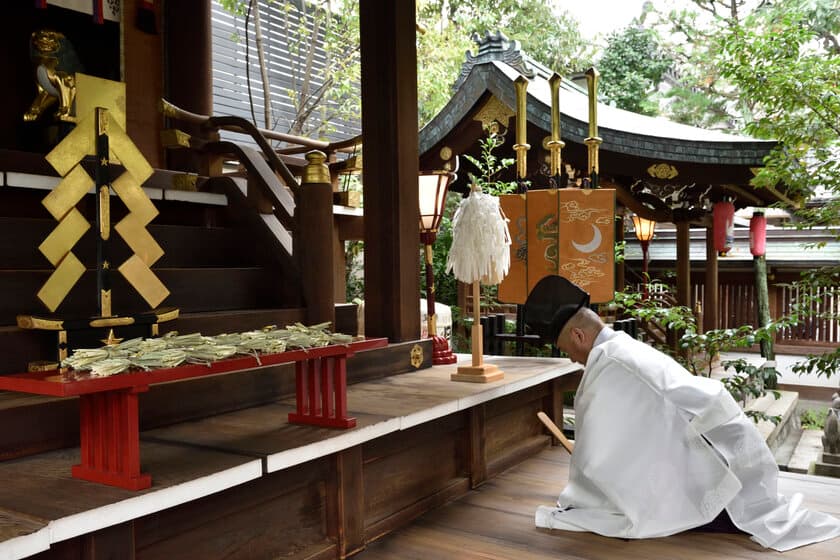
x,y
723,216
432,194
432,197
758,234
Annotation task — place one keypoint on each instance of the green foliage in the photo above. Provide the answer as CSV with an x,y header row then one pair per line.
x,y
821,364
776,61
704,348
490,166
632,67
354,276
813,418
620,248
547,33
750,381
439,59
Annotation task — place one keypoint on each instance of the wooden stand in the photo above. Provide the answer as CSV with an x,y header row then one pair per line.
x,y
478,372
110,439
109,415
322,392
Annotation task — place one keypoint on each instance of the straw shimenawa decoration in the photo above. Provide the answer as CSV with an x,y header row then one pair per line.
x,y
480,253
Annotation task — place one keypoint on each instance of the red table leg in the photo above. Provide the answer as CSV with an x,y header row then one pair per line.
x,y
322,393
110,438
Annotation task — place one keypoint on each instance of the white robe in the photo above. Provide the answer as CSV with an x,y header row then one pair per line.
x,y
659,451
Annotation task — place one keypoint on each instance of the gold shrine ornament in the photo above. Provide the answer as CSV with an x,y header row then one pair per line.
x,y
100,110
662,171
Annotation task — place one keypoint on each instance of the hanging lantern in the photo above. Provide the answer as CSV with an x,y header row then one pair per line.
x,y
758,234
723,215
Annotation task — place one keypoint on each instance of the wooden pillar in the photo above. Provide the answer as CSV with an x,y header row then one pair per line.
x,y
314,240
683,264
143,76
710,290
188,78
389,125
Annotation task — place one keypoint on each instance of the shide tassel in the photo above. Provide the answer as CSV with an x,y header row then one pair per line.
x,y
481,240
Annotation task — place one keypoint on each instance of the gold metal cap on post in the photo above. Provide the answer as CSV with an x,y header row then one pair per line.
x,y
521,146
555,144
593,141
316,170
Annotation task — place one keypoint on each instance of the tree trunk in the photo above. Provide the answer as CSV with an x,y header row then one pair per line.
x,y
258,40
763,306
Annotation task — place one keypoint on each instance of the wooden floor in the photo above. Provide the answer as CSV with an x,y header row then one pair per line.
x,y
496,522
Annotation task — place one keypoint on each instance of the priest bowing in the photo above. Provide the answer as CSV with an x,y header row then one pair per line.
x,y
658,450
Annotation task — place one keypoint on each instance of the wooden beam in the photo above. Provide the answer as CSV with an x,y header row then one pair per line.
x,y
710,305
683,264
389,125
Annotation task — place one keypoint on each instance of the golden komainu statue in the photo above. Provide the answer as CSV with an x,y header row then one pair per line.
x,y
54,58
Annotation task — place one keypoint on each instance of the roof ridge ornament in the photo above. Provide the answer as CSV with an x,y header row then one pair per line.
x,y
495,46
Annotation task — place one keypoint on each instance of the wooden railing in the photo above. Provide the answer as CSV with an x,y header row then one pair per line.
x,y
820,326
276,196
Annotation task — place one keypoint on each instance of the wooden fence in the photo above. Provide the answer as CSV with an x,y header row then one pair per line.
x,y
819,327
819,322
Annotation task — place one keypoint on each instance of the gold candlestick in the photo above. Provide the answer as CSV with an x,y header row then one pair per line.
x,y
593,142
555,145
521,145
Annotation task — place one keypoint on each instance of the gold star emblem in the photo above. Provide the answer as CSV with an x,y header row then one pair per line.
x,y
111,340
103,162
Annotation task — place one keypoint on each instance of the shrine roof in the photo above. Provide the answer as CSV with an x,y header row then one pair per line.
x,y
499,61
622,131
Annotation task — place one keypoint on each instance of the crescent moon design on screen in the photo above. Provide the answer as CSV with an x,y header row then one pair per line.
x,y
592,245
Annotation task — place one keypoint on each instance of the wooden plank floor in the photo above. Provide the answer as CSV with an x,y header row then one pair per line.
x,y
496,522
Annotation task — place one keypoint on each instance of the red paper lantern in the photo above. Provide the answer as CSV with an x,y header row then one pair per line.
x,y
758,234
723,215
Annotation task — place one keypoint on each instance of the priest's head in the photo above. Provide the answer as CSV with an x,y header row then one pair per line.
x,y
558,311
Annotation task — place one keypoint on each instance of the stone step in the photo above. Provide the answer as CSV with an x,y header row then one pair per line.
x,y
808,449
784,452
784,406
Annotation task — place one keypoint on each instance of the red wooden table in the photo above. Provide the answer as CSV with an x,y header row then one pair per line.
x,y
108,414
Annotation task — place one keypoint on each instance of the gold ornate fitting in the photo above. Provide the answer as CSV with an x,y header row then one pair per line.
x,y
493,112
316,170
41,365
174,138
185,182
416,356
662,171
